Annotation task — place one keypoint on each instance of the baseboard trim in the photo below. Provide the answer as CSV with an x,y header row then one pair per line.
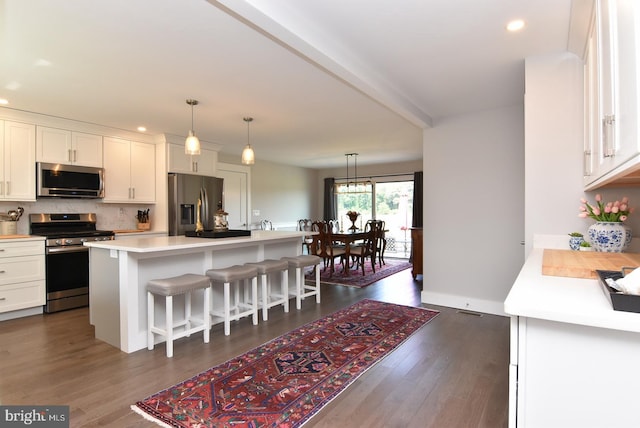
x,y
464,303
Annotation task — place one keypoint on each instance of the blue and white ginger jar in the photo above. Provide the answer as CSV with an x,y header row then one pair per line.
x,y
609,236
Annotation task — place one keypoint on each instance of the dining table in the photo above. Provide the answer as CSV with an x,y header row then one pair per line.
x,y
347,238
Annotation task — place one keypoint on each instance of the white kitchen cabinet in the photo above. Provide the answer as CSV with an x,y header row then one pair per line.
x,y
22,275
611,89
68,147
130,171
17,161
203,164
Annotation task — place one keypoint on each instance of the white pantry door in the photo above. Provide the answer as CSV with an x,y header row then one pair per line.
x,y
236,197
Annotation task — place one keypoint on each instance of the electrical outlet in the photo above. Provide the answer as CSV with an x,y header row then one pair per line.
x,y
256,213
121,212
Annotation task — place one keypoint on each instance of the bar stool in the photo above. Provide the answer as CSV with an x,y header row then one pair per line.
x,y
242,307
302,289
268,298
169,287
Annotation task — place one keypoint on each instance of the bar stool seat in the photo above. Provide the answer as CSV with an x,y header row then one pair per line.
x,y
245,302
169,287
268,297
302,289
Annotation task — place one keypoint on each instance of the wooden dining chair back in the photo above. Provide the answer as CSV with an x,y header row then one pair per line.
x,y
367,250
306,225
322,245
380,241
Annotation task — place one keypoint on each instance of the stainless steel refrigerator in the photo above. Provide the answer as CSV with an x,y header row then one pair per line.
x,y
184,192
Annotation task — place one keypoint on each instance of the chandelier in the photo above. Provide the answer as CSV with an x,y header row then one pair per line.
x,y
354,184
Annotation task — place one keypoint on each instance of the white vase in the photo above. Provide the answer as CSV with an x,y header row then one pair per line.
x,y
609,236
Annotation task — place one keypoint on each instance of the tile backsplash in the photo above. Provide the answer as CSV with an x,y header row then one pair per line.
x,y
109,216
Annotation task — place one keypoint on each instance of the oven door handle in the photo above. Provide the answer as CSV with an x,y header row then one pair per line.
x,y
67,249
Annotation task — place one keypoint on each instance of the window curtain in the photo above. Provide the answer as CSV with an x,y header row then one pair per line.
x,y
417,199
330,209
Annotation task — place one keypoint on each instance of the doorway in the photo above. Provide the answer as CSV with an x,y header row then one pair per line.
x,y
383,199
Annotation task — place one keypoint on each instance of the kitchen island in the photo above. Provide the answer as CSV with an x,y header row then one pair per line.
x,y
120,270
574,360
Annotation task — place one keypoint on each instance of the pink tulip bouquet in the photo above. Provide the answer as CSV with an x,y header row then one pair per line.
x,y
611,211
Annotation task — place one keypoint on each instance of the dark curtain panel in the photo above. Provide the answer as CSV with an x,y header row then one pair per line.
x,y
330,209
417,199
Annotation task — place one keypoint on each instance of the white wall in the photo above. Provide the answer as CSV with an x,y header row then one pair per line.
x,y
554,150
473,209
553,145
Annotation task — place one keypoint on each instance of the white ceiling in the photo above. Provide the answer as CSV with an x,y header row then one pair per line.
x,y
320,77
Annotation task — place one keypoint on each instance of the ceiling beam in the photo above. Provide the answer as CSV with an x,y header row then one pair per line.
x,y
374,88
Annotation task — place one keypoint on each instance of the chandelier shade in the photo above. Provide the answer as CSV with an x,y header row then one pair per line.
x,y
248,155
192,143
354,184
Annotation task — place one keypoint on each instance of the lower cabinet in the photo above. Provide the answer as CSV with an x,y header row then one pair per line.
x,y
22,275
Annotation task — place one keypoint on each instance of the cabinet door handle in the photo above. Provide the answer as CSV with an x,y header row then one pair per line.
x,y
8,188
2,271
69,158
133,193
75,155
2,298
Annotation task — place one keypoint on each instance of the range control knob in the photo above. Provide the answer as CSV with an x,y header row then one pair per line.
x,y
68,242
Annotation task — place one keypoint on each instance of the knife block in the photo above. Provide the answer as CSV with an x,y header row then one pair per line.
x,y
144,226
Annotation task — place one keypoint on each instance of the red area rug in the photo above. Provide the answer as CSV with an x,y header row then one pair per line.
x,y
356,279
289,379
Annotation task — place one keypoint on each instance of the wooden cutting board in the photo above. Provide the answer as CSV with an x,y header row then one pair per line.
x,y
583,264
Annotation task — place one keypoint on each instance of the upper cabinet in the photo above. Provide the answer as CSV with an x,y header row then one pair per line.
x,y
68,147
130,171
17,161
612,149
203,164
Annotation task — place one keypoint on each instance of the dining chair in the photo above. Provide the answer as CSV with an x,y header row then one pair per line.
x,y
306,225
380,240
366,250
322,245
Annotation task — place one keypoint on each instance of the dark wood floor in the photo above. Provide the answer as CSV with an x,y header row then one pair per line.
x,y
451,373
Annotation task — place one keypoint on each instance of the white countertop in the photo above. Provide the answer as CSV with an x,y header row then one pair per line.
x,y
170,243
568,300
14,238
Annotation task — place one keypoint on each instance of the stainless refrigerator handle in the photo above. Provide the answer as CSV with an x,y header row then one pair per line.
x,y
205,208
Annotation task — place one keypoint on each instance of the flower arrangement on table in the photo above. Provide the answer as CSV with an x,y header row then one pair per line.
x,y
609,234
353,216
611,211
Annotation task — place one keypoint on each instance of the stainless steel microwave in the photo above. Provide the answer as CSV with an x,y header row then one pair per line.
x,y
69,181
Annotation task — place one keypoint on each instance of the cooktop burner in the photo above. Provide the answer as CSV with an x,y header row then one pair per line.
x,y
67,229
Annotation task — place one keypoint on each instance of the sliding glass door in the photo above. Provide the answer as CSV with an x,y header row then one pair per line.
x,y
384,199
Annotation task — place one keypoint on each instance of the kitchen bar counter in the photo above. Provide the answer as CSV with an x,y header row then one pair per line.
x,y
562,299
573,359
120,270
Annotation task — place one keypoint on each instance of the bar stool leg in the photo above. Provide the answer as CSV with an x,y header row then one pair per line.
x,y
169,325
299,288
187,311
316,268
227,309
205,315
150,320
254,299
265,296
284,286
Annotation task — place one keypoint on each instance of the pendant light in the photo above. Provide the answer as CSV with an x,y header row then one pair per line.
x,y
248,156
192,144
355,185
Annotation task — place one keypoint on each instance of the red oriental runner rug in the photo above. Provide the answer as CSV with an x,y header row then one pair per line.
x,y
286,381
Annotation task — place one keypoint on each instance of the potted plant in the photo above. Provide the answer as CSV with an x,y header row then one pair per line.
x,y
609,233
576,238
585,246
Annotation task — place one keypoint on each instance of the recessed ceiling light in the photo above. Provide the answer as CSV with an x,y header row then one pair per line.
x,y
515,25
4,101
142,128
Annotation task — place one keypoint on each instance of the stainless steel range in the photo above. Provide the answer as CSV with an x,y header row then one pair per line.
x,y
67,260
